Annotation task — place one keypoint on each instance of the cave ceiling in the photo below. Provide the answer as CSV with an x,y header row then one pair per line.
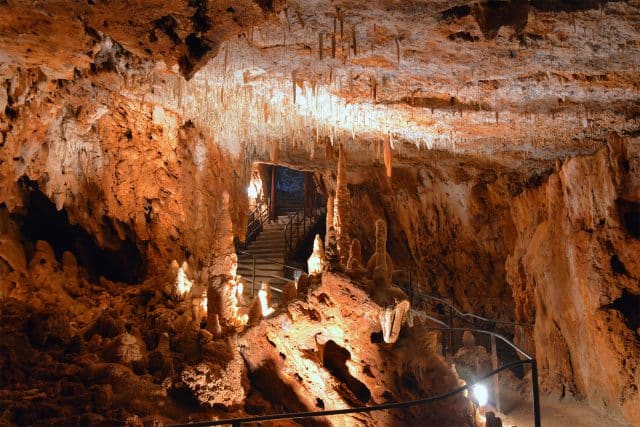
x,y
513,80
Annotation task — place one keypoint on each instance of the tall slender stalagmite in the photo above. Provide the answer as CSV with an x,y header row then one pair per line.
x,y
387,155
343,209
330,245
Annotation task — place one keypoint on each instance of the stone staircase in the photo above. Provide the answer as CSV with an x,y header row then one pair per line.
x,y
269,252
268,249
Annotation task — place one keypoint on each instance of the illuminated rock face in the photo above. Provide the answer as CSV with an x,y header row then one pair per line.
x,y
582,290
319,354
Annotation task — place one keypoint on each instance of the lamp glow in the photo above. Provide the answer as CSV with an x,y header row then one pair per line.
x,y
252,191
481,394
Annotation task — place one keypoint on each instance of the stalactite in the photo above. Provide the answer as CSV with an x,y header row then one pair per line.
x,y
354,40
387,155
293,85
398,51
320,45
286,16
300,18
226,57
343,208
333,43
374,88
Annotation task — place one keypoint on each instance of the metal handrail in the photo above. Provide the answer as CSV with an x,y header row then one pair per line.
x,y
295,220
460,313
257,217
456,310
395,405
270,261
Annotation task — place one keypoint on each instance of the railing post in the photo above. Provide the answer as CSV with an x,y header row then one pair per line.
x,y
536,394
450,331
253,280
496,382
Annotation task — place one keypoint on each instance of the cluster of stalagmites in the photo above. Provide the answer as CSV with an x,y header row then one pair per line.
x,y
75,352
344,253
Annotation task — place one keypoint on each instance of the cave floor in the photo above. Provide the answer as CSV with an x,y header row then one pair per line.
x,y
555,413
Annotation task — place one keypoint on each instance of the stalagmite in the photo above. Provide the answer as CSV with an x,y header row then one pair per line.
x,y
342,216
355,254
183,284
330,243
214,311
315,263
289,293
381,258
264,295
387,155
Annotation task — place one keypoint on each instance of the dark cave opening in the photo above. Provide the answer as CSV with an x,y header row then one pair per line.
x,y
630,216
629,306
122,262
334,359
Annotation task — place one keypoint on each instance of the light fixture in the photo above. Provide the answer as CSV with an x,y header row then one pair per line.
x,y
480,394
252,192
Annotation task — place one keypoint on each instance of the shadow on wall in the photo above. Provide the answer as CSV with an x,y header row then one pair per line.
x,y
42,221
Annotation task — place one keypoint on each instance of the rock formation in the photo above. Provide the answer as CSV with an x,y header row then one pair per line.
x,y
342,216
316,262
380,259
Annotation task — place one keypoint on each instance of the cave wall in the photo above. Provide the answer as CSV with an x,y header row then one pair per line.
x,y
449,220
555,244
121,167
575,270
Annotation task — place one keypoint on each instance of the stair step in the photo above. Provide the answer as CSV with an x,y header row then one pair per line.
x,y
260,266
261,269
274,247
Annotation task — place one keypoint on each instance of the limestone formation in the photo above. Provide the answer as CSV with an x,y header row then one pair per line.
x,y
289,293
472,361
355,266
214,311
316,262
342,216
387,157
264,296
332,255
391,319
380,258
